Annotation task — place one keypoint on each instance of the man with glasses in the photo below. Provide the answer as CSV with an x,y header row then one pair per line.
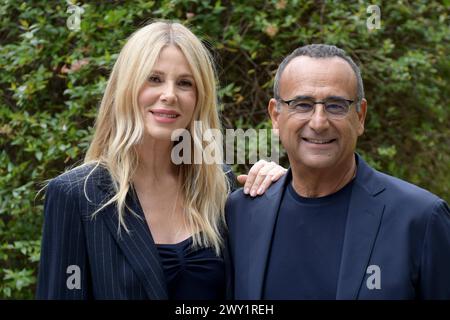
x,y
333,227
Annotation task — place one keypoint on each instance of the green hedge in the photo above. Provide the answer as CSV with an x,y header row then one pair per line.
x,y
49,98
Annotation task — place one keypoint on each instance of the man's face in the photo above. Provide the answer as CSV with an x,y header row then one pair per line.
x,y
318,142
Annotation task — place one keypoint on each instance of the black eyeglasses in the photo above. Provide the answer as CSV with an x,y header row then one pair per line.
x,y
335,108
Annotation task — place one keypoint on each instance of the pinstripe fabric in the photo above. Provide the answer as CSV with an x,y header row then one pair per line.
x,y
111,267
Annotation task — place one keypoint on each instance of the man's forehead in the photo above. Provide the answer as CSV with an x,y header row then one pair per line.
x,y
304,63
307,71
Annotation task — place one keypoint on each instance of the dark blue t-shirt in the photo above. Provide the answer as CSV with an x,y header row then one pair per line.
x,y
307,245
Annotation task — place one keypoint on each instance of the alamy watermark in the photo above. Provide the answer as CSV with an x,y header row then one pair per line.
x,y
74,20
373,281
374,21
73,281
240,146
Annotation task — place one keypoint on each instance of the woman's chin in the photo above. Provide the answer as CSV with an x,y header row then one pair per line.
x,y
163,134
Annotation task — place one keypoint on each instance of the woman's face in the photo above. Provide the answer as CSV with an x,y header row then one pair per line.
x,y
169,95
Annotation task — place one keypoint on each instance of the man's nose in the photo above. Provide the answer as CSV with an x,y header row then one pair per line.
x,y
319,120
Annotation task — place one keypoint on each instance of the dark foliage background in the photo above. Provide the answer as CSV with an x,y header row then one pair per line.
x,y
52,79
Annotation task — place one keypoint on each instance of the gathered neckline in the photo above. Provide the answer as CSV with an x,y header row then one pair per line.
x,y
178,244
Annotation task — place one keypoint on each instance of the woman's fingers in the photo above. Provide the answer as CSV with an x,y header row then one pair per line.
x,y
254,175
261,175
272,176
242,178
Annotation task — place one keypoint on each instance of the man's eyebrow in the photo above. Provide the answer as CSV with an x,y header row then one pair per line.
x,y
305,97
335,98
302,97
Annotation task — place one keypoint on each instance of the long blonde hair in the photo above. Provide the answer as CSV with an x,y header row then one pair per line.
x,y
120,127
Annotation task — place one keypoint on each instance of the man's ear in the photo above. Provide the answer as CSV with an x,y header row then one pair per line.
x,y
274,113
362,116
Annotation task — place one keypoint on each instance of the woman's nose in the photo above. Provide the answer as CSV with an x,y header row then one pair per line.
x,y
168,94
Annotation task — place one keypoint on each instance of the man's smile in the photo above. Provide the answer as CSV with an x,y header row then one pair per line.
x,y
318,141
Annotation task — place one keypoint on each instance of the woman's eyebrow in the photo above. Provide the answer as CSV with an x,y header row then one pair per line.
x,y
183,75
186,75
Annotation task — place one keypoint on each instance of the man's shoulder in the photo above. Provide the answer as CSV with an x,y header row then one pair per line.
x,y
237,195
240,202
400,189
407,199
236,199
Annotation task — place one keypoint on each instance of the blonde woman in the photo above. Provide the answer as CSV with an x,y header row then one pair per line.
x,y
129,223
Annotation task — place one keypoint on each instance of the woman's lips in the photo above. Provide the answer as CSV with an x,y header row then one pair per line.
x,y
164,116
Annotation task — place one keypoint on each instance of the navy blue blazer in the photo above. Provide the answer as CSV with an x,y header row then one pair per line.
x,y
74,244
394,229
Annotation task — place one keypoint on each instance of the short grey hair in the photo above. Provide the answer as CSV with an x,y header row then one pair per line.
x,y
321,51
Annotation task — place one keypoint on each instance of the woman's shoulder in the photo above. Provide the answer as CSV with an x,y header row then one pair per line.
x,y
79,177
77,191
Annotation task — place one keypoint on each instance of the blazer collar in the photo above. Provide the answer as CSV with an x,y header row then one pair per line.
x,y
137,244
263,222
363,221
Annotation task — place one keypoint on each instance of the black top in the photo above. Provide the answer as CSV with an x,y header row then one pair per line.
x,y
306,251
192,274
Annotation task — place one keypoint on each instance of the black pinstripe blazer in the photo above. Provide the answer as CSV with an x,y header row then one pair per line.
x,y
84,257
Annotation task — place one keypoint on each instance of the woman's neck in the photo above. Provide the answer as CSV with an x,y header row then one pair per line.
x,y
155,163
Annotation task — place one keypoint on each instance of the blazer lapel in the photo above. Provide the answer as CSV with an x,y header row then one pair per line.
x,y
137,245
263,221
363,221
